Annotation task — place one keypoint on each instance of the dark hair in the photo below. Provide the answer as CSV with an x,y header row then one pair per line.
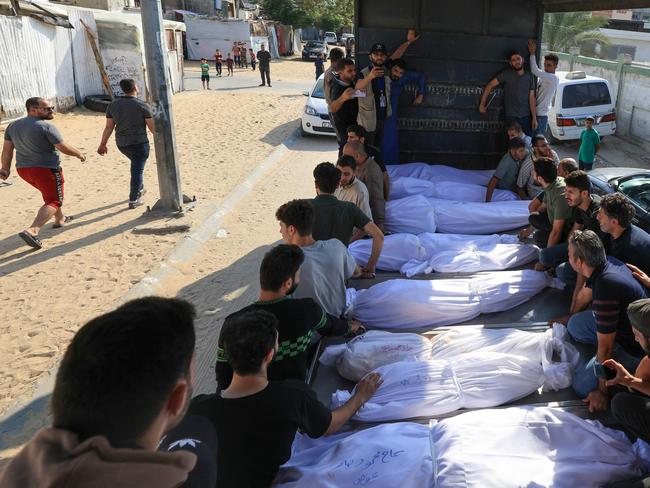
x,y
399,62
513,53
516,143
514,125
552,58
568,165
298,213
357,129
538,137
336,54
34,102
327,177
545,168
120,368
616,206
128,85
279,264
588,247
578,179
347,162
248,338
342,63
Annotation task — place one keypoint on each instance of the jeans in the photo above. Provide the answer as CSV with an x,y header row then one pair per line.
x,y
218,67
582,327
253,64
542,123
376,137
552,256
265,71
137,154
633,411
525,122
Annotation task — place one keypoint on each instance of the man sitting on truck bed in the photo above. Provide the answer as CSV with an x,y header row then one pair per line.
x,y
519,94
505,176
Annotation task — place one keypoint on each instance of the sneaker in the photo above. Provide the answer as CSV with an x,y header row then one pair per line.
x,y
135,204
142,192
262,84
269,86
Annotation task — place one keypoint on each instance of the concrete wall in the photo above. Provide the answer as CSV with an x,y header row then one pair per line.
x,y
638,40
632,96
110,5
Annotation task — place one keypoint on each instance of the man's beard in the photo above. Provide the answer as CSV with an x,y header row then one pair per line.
x,y
291,290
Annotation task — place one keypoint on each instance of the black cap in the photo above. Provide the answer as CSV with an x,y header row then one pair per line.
x,y
378,47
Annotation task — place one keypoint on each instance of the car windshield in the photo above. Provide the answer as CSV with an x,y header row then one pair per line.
x,y
318,90
637,189
313,44
586,95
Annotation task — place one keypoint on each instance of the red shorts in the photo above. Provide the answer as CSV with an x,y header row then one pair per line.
x,y
46,180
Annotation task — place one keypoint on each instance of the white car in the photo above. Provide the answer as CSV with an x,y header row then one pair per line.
x,y
330,38
315,119
578,96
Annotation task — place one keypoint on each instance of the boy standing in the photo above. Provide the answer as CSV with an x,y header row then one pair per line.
x,y
218,60
229,65
589,145
205,73
253,59
320,63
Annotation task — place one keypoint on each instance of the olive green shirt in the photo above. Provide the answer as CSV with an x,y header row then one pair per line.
x,y
557,207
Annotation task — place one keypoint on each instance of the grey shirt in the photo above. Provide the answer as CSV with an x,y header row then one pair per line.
x,y
129,113
34,140
507,172
516,91
327,266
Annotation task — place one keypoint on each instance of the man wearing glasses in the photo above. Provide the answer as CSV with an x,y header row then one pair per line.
x,y
37,144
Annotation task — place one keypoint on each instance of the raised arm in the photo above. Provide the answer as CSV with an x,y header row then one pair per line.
x,y
534,68
492,84
410,38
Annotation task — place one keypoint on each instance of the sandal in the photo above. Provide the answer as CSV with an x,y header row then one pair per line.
x,y
66,219
30,240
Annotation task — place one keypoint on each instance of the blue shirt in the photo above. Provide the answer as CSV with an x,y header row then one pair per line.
x,y
632,247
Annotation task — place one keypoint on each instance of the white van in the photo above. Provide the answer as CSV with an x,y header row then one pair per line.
x,y
579,96
330,38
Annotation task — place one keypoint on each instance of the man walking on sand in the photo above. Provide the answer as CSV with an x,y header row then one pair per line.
x,y
264,60
130,117
37,146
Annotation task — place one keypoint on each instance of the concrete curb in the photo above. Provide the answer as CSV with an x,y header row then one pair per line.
x,y
17,417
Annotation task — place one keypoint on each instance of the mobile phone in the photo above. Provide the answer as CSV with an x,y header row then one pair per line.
x,y
604,372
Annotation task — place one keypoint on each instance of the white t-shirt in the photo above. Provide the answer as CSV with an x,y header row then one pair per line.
x,y
327,266
546,85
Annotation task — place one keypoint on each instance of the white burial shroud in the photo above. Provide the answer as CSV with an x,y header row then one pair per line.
x,y
416,304
404,186
440,172
377,348
416,214
446,253
504,448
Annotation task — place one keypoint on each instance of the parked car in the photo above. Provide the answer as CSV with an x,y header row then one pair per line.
x,y
633,183
312,49
578,96
315,119
330,38
344,38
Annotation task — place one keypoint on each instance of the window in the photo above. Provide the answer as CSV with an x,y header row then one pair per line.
x,y
585,95
637,189
318,90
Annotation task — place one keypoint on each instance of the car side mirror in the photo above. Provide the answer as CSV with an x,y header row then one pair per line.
x,y
305,93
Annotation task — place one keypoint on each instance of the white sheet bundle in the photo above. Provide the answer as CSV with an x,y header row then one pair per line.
x,y
404,186
416,214
505,448
440,172
446,253
416,304
377,348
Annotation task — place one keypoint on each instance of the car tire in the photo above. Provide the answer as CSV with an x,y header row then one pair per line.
x,y
97,103
549,136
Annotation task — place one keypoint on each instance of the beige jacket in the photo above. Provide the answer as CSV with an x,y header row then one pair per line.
x,y
371,176
367,117
55,458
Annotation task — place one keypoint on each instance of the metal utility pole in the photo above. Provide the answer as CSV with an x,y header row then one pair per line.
x,y
169,178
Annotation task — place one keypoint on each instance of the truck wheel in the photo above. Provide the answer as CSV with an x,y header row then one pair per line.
x,y
97,103
549,136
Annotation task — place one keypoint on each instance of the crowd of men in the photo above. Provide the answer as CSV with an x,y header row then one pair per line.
x,y
123,412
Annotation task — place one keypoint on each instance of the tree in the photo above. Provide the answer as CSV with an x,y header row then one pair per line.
x,y
328,15
565,30
287,12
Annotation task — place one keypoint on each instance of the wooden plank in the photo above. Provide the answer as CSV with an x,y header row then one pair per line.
x,y
92,38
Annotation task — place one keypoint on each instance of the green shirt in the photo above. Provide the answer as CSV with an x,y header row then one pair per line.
x,y
507,172
557,207
334,219
589,139
205,68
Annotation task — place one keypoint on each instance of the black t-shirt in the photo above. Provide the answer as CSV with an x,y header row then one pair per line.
x,y
298,320
347,114
255,433
633,247
264,58
589,218
375,154
336,219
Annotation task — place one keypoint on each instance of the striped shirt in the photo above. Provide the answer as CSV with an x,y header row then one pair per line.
x,y
614,288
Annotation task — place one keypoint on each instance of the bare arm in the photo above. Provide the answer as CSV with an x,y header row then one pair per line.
x,y
556,233
377,245
532,101
7,157
363,391
490,188
362,83
640,381
410,38
70,151
149,122
108,130
482,107
581,295
336,105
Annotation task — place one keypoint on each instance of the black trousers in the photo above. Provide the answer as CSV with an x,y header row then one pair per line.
x,y
543,228
265,71
376,137
633,411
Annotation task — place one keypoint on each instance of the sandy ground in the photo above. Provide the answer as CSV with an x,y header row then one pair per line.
x,y
84,268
